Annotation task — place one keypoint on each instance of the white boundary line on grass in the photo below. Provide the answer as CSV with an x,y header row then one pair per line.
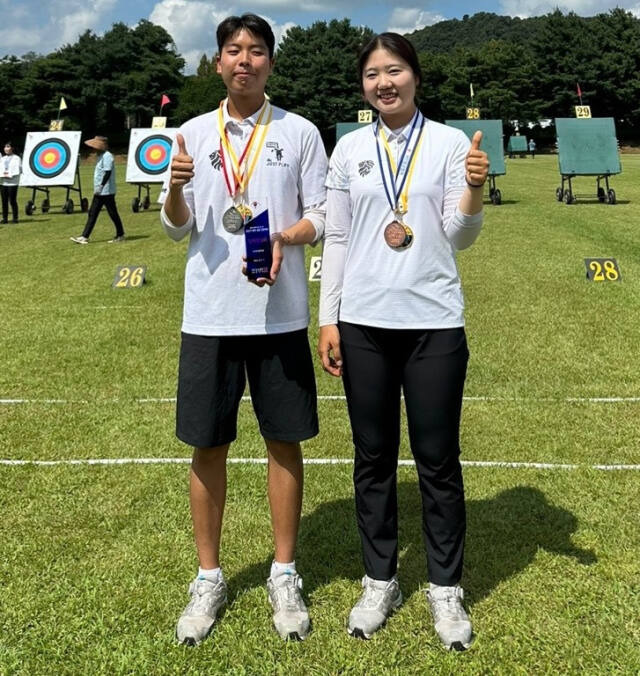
x,y
341,397
311,461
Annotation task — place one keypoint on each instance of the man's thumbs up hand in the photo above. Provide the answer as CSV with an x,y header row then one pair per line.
x,y
181,164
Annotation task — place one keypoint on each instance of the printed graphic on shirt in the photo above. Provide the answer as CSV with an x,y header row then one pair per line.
x,y
364,168
275,159
216,160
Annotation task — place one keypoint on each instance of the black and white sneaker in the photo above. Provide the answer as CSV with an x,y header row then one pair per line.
x,y
451,621
379,600
198,618
290,614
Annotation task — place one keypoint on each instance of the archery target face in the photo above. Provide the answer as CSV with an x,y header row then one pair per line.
x,y
149,155
50,158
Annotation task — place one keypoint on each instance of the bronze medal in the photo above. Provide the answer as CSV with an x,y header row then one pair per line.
x,y
398,235
232,220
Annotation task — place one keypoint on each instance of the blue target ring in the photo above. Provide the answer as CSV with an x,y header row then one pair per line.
x,y
153,154
50,158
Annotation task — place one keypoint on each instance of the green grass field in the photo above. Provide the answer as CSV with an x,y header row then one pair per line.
x,y
95,559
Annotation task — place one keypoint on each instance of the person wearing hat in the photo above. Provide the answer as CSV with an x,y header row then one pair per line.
x,y
104,192
9,179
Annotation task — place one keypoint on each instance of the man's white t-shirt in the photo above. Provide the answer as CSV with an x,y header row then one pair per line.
x,y
288,178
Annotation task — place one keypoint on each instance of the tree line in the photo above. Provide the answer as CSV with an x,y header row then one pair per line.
x,y
521,69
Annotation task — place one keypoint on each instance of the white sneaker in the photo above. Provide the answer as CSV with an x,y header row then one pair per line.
x,y
451,621
80,239
198,618
119,238
290,614
378,601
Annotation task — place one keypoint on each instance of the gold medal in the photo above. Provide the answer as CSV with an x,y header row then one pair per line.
x,y
246,213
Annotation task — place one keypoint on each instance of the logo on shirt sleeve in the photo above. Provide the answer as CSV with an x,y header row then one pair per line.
x,y
364,168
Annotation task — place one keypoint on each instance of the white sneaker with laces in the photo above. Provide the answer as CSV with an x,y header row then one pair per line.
x,y
79,239
451,621
379,600
198,618
290,614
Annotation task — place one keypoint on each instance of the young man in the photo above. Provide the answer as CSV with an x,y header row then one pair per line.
x,y
104,192
247,160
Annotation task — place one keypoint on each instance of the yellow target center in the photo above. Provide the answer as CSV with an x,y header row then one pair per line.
x,y
156,153
49,158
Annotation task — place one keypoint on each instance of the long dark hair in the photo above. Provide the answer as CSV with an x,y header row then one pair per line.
x,y
394,43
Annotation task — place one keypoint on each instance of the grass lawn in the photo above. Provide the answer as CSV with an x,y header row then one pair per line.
x,y
95,559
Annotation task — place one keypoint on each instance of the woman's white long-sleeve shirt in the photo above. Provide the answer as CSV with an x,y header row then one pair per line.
x,y
364,281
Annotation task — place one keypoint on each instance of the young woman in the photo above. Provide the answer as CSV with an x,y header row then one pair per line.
x,y
404,194
10,168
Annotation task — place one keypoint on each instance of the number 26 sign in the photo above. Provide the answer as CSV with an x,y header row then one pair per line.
x,y
129,276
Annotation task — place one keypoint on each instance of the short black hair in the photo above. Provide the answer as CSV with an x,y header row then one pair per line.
x,y
251,22
394,43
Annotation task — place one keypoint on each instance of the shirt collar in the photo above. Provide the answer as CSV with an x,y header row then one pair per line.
x,y
231,121
400,135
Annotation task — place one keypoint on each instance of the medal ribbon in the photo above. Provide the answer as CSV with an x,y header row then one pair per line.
x,y
400,194
238,167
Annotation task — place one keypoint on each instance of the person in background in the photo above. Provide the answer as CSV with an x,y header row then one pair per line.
x,y
404,194
104,192
10,167
532,148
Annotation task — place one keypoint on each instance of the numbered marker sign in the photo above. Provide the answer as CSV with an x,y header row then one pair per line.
x,y
473,113
583,112
315,269
365,116
602,270
129,276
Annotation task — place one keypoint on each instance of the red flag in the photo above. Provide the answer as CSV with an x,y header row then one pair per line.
x,y
165,100
579,91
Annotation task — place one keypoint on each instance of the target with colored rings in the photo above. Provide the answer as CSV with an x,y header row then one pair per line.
x,y
50,158
152,155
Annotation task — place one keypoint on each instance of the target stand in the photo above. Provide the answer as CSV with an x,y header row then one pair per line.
x,y
587,147
148,162
51,161
492,144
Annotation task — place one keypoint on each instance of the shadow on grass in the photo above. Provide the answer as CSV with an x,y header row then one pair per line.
x,y
504,533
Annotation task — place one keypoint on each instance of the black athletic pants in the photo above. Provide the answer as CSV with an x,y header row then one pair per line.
x,y
429,366
9,196
97,203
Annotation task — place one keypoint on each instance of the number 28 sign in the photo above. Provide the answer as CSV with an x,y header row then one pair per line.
x,y
602,270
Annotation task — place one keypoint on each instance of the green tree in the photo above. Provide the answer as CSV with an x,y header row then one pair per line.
x,y
199,94
315,73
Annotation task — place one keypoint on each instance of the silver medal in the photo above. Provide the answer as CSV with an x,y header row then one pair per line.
x,y
232,220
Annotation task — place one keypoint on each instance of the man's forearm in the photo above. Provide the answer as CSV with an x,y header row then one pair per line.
x,y
175,207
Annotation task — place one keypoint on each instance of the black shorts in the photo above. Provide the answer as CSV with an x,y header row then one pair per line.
x,y
211,381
